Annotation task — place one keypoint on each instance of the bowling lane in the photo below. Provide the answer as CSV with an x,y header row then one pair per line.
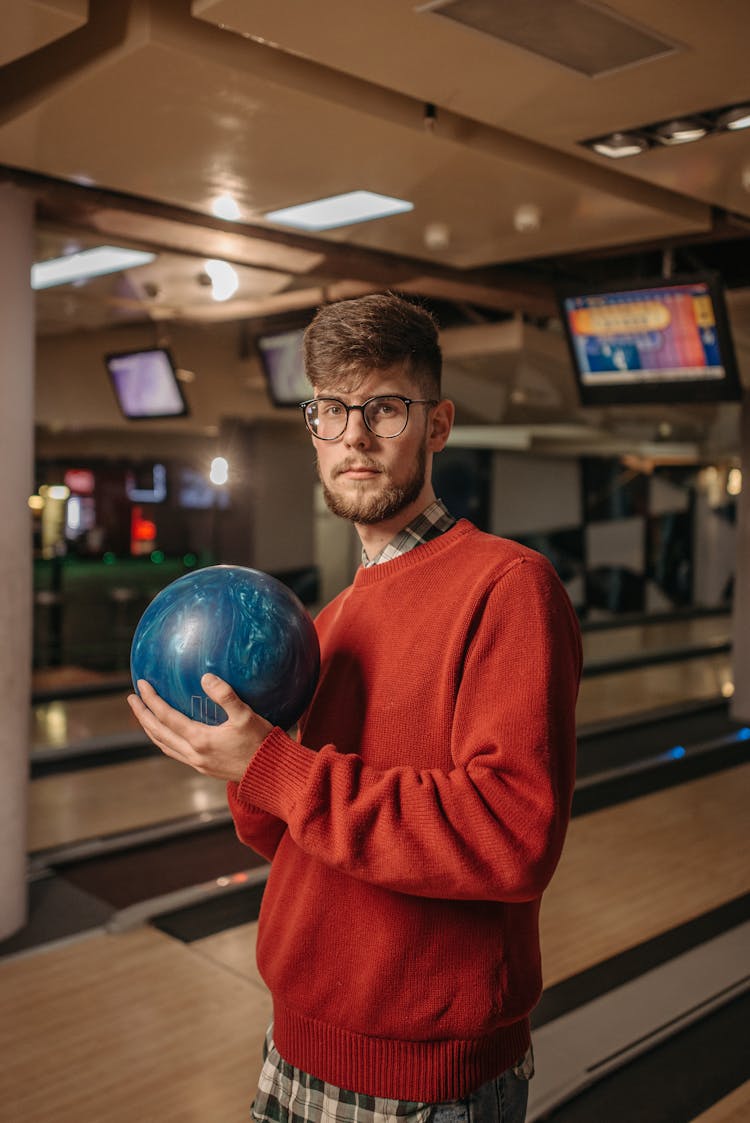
x,y
606,644
635,870
73,726
97,1030
627,874
90,803
107,1012
734,1108
76,806
79,725
627,693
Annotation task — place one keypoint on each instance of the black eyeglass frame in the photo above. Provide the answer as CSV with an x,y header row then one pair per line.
x,y
376,397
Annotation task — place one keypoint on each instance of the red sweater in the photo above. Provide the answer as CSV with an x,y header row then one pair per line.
x,y
416,823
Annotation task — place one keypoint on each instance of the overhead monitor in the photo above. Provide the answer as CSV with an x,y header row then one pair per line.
x,y
145,384
284,367
651,341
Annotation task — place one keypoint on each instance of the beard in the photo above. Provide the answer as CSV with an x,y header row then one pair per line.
x,y
375,506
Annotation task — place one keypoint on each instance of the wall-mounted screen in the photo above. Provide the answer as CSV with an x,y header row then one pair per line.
x,y
145,384
651,341
284,367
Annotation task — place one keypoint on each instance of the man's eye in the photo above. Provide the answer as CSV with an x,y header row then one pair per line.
x,y
332,409
385,409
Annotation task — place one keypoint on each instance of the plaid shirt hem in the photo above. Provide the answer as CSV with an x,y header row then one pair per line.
x,y
287,1095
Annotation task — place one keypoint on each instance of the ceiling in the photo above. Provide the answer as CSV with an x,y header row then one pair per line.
x,y
126,118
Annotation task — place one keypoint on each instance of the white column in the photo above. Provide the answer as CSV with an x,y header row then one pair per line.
x,y
741,607
16,477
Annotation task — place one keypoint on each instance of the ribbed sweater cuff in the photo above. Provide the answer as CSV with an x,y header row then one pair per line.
x,y
277,775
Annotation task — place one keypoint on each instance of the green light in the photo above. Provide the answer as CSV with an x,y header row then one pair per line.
x,y
109,559
189,560
157,557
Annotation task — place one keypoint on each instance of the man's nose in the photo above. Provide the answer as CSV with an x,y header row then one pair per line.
x,y
356,433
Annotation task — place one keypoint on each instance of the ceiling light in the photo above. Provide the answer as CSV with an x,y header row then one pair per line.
x,y
680,132
224,279
89,263
619,144
527,218
219,471
437,235
339,210
735,119
226,206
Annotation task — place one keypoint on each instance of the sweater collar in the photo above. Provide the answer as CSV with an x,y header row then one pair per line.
x,y
429,524
425,552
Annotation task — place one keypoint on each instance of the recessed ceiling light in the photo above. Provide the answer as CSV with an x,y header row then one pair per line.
x,y
735,119
680,132
339,210
619,144
226,206
89,263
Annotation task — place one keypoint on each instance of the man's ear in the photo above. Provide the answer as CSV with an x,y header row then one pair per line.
x,y
440,425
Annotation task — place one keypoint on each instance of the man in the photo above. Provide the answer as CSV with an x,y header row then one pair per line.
x,y
414,824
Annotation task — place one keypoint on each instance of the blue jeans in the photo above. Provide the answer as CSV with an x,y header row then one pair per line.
x,y
502,1100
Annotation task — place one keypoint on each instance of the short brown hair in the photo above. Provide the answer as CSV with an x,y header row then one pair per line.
x,y
376,332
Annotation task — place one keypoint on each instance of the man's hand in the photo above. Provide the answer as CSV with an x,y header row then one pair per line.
x,y
222,750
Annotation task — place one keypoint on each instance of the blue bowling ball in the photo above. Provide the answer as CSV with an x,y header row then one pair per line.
x,y
237,623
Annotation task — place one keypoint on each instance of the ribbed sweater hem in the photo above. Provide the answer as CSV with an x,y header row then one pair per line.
x,y
420,1071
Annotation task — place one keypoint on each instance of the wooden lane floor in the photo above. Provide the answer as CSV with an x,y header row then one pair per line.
x,y
734,1108
630,640
72,806
627,693
115,1027
117,798
627,874
641,868
83,722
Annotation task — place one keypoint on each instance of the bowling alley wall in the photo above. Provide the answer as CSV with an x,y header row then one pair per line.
x,y
624,540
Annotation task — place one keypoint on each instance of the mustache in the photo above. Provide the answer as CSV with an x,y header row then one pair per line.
x,y
356,462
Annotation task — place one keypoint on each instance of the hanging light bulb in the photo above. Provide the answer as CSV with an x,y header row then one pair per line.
x,y
224,279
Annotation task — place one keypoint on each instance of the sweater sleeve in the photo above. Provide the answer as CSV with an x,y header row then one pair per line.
x,y
491,827
255,827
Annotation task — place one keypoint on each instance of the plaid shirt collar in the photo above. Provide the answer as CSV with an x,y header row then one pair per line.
x,y
432,522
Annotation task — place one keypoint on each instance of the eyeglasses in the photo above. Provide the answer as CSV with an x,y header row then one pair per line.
x,y
386,415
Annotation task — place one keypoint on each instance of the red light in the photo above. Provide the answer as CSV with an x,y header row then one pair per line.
x,y
142,532
80,481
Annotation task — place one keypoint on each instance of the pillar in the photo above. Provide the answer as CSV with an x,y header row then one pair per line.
x,y
741,605
16,478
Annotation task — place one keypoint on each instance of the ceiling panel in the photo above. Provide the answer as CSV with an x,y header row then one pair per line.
x,y
314,99
28,24
180,113
412,48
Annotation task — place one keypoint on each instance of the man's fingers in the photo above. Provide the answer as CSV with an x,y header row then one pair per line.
x,y
172,718
163,737
220,691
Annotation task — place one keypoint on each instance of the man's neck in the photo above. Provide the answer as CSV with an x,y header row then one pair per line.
x,y
376,537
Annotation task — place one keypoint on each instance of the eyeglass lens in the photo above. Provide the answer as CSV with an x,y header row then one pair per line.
x,y
384,416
